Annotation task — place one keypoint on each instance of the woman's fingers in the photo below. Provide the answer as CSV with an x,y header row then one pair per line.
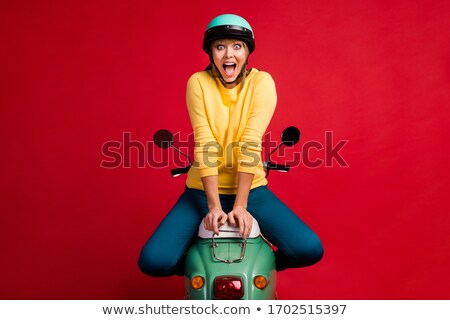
x,y
215,225
244,220
242,226
223,220
248,225
231,218
237,217
214,220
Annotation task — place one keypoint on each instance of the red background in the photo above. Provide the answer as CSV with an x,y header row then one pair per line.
x,y
77,74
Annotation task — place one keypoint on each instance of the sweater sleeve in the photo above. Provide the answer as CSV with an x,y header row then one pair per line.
x,y
264,103
206,147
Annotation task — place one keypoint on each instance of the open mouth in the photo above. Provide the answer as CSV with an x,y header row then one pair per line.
x,y
229,68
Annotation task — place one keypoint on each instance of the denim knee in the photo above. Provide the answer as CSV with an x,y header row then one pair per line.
x,y
300,255
315,252
310,252
157,265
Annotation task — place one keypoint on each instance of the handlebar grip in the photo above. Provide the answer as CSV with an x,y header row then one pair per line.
x,y
278,167
179,171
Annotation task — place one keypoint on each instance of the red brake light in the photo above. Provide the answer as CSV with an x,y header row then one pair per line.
x,y
228,288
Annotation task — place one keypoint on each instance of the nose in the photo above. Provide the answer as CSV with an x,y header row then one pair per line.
x,y
228,52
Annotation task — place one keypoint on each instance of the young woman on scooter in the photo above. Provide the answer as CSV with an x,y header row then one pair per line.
x,y
230,108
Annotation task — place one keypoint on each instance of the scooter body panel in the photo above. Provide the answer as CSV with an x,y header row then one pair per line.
x,y
259,259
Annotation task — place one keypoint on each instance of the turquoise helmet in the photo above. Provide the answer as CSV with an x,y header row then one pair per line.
x,y
228,26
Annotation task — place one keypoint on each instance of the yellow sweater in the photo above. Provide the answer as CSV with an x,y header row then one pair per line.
x,y
228,127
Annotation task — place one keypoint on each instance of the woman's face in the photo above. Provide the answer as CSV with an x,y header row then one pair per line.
x,y
229,56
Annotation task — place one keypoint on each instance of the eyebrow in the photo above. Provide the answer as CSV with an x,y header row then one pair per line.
x,y
233,41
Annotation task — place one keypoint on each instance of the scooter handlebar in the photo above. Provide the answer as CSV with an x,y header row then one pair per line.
x,y
278,167
179,171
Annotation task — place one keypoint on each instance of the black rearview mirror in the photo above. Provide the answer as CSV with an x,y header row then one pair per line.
x,y
163,138
290,136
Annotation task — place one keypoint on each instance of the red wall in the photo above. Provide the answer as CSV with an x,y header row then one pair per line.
x,y
75,75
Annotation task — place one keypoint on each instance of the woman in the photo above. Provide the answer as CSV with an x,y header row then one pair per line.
x,y
230,108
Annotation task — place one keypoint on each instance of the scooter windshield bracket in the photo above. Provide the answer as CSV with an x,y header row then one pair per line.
x,y
214,245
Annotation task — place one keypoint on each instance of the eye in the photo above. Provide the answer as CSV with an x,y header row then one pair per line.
x,y
220,47
237,46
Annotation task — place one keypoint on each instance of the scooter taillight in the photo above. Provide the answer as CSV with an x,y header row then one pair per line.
x,y
228,288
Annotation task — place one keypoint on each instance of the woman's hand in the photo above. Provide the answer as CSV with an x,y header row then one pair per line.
x,y
242,218
215,219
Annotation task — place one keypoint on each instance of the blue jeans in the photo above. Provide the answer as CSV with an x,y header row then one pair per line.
x,y
298,246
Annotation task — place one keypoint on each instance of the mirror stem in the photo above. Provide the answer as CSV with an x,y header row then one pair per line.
x,y
184,154
274,150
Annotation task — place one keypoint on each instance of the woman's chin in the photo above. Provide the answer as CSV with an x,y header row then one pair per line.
x,y
229,79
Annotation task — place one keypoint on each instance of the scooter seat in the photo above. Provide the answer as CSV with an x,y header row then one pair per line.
x,y
228,231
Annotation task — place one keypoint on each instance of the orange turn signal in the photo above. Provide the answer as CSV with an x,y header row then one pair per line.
x,y
260,282
197,282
